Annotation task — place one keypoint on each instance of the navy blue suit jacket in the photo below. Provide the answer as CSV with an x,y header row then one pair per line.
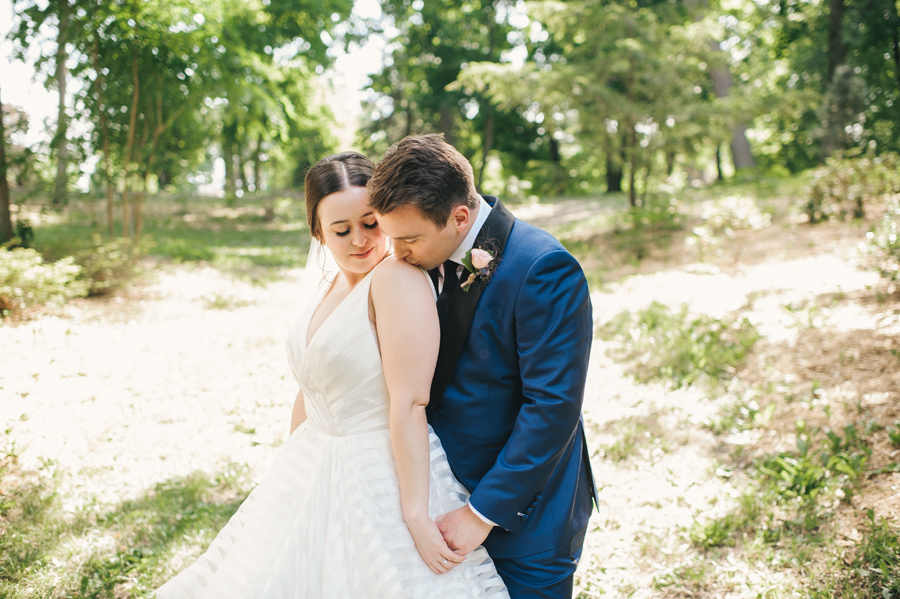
x,y
509,385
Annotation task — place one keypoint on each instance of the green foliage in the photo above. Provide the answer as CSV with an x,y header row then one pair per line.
x,y
882,245
679,349
734,213
894,434
650,224
109,266
795,490
839,462
740,416
647,99
722,217
48,551
877,559
873,571
27,281
851,182
634,435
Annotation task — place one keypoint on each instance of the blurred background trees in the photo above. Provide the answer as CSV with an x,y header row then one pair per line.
x,y
543,97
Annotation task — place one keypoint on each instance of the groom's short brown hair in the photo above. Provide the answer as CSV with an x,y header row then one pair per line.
x,y
426,172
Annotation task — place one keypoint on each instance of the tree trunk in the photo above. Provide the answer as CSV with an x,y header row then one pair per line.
x,y
139,205
104,132
129,147
487,143
632,174
447,123
613,174
229,130
410,119
239,167
894,17
6,228
719,174
837,50
741,153
257,164
142,179
60,142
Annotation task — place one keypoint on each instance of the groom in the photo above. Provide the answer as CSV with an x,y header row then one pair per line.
x,y
508,387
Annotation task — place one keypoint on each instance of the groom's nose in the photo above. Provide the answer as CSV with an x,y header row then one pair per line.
x,y
401,249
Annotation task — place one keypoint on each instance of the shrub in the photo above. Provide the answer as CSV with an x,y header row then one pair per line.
x,y
848,182
661,345
733,213
652,222
26,281
723,217
882,245
839,463
107,267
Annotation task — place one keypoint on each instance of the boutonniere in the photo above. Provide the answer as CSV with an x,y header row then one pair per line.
x,y
481,265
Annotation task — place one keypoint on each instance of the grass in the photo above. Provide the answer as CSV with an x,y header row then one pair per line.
x,y
99,552
787,511
677,348
241,241
634,436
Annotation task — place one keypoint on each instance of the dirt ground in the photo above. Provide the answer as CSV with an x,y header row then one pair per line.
x,y
188,372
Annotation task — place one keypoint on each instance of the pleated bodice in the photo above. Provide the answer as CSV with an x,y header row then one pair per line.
x,y
340,371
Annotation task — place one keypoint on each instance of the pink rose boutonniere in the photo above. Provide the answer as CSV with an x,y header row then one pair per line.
x,y
481,265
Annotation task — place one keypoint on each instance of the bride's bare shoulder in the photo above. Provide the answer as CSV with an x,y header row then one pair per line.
x,y
398,275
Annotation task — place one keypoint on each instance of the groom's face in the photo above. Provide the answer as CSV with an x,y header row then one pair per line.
x,y
418,240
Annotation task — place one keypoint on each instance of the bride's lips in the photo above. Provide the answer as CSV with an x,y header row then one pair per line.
x,y
365,254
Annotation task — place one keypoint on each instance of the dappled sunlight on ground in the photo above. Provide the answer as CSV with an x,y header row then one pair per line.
x,y
187,373
178,387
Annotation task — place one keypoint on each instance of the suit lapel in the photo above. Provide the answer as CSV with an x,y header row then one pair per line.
x,y
456,321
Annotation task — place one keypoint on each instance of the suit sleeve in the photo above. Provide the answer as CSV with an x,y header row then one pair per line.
x,y
554,328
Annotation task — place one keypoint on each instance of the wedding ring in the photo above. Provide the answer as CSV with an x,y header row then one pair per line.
x,y
444,563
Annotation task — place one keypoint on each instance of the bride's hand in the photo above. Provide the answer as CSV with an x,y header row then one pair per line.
x,y
439,558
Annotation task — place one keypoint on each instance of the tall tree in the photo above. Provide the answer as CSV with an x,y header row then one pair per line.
x,y
837,49
431,42
627,84
60,140
6,228
33,18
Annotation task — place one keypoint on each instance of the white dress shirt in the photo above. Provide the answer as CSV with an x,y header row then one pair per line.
x,y
484,210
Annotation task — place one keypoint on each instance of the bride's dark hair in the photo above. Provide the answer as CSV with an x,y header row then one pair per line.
x,y
332,174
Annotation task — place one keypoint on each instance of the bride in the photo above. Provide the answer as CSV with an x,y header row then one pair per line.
x,y
348,509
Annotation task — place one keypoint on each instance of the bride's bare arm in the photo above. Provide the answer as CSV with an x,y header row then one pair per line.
x,y
408,334
298,414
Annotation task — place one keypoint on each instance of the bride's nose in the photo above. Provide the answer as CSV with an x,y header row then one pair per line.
x,y
359,237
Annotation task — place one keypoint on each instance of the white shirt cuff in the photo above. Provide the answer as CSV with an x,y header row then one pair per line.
x,y
480,517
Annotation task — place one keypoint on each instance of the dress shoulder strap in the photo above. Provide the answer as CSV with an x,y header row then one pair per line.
x,y
434,291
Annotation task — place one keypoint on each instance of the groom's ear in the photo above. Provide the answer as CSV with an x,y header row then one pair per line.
x,y
460,217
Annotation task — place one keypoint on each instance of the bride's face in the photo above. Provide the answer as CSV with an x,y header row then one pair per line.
x,y
350,230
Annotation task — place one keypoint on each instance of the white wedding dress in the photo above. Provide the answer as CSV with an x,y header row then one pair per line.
x,y
325,522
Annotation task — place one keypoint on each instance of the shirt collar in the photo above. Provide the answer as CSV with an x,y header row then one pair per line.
x,y
484,209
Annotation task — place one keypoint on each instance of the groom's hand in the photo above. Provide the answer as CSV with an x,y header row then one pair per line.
x,y
463,530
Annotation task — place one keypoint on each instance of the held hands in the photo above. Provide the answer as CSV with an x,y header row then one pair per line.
x,y
463,530
431,546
